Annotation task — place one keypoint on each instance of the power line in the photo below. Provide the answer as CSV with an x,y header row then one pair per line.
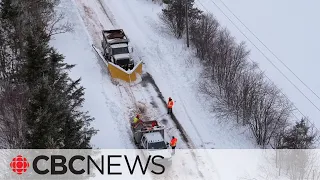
x,y
265,56
265,74
282,93
187,23
269,50
203,6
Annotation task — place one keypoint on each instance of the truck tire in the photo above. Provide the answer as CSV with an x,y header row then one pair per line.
x,y
135,141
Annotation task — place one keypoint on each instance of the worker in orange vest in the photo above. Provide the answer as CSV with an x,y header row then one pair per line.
x,y
173,144
170,105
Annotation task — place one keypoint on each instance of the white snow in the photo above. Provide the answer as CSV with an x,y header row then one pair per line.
x,y
112,102
169,62
290,29
101,96
174,70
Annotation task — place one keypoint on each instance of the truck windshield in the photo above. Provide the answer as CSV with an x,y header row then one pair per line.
x,y
123,50
121,62
157,145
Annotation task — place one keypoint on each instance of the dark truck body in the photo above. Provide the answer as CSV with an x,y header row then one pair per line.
x,y
115,45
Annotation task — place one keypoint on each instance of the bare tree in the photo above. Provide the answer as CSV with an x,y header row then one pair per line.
x,y
57,26
236,88
12,125
175,13
249,82
271,113
203,33
41,16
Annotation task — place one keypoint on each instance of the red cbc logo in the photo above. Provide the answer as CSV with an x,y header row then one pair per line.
x,y
19,164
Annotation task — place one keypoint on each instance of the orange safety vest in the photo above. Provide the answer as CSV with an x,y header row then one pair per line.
x,y
170,104
173,142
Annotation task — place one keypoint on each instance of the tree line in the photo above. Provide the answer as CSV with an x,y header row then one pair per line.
x,y
40,105
238,91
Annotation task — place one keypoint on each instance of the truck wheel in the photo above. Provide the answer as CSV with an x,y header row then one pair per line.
x,y
135,141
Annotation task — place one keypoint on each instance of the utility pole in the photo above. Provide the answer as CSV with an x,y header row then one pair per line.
x,y
187,23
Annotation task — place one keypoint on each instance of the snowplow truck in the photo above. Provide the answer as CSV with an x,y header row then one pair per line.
x,y
115,45
149,136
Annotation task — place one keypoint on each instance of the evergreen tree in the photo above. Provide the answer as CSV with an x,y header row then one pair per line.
x,y
299,136
53,115
45,104
76,130
175,13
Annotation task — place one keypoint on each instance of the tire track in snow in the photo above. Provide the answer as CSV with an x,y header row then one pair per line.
x,y
116,111
122,126
160,56
108,13
164,69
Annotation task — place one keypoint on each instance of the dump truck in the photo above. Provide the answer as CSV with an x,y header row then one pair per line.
x,y
150,136
115,45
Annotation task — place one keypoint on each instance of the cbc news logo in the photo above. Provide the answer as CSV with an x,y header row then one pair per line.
x,y
19,164
61,165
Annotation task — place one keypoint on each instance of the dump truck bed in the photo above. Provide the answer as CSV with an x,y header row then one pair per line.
x,y
115,36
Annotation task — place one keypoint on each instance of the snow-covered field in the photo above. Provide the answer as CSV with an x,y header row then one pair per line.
x,y
290,29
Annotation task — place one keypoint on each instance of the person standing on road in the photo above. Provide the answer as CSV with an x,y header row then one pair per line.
x,y
173,144
170,105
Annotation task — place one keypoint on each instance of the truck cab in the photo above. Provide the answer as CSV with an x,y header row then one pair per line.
x,y
115,45
149,136
120,55
154,144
